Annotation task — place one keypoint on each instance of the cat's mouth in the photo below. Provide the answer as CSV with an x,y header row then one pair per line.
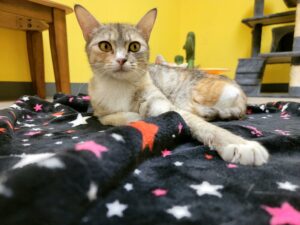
x,y
121,69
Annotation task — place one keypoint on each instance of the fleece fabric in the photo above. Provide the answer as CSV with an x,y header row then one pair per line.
x,y
60,166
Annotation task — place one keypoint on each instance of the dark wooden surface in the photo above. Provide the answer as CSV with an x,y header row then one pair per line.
x,y
279,57
271,19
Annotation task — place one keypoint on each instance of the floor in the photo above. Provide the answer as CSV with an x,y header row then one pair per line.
x,y
251,100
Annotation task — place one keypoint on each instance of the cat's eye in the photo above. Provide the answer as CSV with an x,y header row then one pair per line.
x,y
134,46
105,46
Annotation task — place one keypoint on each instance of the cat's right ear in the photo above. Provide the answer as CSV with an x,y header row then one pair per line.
x,y
87,22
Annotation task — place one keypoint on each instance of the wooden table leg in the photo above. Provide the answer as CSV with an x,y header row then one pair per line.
x,y
59,51
36,61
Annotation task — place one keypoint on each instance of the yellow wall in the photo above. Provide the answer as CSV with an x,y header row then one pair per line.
x,y
221,38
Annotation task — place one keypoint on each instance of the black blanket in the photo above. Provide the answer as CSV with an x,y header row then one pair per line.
x,y
60,166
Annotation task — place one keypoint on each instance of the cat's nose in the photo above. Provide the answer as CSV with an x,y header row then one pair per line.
x,y
122,61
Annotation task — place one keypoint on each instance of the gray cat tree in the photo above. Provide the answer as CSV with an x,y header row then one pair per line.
x,y
250,70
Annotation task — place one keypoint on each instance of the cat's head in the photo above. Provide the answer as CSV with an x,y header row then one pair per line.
x,y
117,50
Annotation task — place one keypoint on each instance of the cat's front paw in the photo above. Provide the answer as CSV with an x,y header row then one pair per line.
x,y
247,153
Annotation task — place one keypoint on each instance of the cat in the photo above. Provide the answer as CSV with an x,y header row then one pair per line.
x,y
125,88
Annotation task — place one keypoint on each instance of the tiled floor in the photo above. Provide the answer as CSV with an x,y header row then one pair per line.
x,y
251,100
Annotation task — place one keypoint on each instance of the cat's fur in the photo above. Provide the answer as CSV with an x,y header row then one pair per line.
x,y
125,88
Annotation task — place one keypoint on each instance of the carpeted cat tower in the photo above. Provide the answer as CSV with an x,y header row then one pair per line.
x,y
285,49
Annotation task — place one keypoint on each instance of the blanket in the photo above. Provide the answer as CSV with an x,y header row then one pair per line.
x,y
59,166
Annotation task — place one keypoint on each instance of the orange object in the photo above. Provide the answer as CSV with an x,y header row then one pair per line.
x,y
215,71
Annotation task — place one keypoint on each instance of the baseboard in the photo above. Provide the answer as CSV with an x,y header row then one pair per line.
x,y
275,88
13,90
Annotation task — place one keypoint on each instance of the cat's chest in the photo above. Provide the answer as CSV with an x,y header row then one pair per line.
x,y
112,96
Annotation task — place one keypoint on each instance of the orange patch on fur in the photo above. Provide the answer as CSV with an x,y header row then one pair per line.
x,y
208,91
148,131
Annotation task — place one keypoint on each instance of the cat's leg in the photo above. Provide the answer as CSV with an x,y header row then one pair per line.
x,y
119,118
230,147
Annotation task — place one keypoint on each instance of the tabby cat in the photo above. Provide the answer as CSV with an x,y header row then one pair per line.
x,y
125,88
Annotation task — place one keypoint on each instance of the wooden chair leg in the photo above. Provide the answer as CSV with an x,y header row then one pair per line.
x,y
59,51
36,61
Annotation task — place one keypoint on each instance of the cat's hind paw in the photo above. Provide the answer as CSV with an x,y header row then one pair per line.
x,y
247,153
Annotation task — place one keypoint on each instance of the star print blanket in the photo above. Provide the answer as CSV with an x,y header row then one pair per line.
x,y
60,166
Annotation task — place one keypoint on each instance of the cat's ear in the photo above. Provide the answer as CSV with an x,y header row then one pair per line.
x,y
145,25
87,22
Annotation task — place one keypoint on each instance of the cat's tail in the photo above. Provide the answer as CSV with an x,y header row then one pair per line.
x,y
230,147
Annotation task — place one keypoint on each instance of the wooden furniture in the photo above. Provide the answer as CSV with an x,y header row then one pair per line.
x,y
252,68
33,17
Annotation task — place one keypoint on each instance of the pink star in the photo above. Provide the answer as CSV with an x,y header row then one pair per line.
x,y
92,147
38,107
165,153
159,192
70,131
283,132
180,126
32,133
71,99
231,166
86,98
286,214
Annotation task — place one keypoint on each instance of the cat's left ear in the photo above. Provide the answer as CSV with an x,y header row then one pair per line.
x,y
145,25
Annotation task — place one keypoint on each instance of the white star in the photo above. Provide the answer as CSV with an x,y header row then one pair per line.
x,y
284,107
48,135
262,107
58,142
173,136
26,144
179,211
287,186
15,107
25,140
177,163
36,129
31,158
75,137
51,163
118,137
25,98
92,192
207,189
7,192
128,187
115,209
136,171
79,120
28,125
